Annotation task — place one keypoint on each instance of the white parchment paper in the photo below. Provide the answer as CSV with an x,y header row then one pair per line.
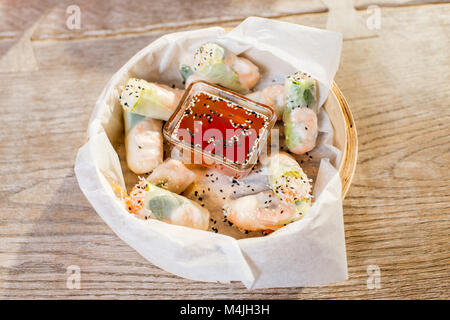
x,y
307,252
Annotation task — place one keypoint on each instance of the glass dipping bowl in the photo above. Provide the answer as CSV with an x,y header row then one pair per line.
x,y
219,128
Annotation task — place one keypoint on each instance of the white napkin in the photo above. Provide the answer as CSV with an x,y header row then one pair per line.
x,y
307,252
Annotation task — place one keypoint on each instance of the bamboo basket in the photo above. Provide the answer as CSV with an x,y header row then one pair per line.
x,y
345,136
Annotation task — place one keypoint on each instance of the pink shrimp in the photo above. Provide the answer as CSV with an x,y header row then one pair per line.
x,y
248,73
172,175
261,211
272,96
144,146
300,129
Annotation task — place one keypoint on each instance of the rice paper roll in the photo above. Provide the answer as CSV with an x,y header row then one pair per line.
x,y
143,142
153,100
288,181
172,175
272,96
300,113
215,64
300,129
301,91
151,202
261,211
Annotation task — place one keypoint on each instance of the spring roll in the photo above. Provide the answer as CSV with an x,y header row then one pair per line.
x,y
143,142
261,211
172,175
272,96
299,116
150,99
301,91
215,64
151,202
288,181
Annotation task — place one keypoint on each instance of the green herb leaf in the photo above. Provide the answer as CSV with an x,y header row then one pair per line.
x,y
162,206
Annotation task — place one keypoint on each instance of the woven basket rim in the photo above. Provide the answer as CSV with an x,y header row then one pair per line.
x,y
349,158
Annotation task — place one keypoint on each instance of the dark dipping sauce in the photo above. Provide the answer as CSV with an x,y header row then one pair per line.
x,y
221,128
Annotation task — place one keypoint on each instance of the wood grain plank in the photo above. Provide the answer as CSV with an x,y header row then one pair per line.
x,y
100,18
110,18
396,213
363,4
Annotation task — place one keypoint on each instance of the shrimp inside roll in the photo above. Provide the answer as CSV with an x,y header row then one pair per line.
x,y
148,201
261,211
215,64
172,175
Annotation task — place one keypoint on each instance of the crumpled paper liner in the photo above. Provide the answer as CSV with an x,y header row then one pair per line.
x,y
307,252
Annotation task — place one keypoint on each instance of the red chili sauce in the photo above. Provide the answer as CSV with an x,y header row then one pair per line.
x,y
221,128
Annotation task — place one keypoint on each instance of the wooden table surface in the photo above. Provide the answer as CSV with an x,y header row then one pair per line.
x,y
397,210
